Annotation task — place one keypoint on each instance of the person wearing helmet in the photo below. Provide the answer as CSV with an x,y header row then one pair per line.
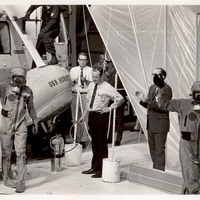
x,y
189,124
16,99
157,119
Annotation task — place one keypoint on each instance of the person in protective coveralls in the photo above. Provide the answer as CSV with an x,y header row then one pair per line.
x,y
16,99
50,29
189,123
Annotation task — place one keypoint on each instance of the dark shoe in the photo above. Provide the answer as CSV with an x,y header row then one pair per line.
x,y
10,183
53,61
83,144
117,143
89,171
136,130
20,188
109,141
97,175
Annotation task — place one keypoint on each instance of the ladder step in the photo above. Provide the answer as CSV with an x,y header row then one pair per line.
x,y
155,178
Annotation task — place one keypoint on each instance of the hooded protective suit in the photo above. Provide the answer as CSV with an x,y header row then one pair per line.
x,y
189,124
16,99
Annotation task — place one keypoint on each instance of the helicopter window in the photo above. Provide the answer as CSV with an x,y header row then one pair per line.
x,y
4,38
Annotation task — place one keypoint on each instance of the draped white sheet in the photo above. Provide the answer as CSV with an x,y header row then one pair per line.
x,y
141,38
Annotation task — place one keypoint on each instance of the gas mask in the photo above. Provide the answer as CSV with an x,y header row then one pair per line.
x,y
195,94
17,83
18,76
196,102
196,97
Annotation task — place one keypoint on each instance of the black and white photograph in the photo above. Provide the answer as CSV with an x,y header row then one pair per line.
x,y
99,99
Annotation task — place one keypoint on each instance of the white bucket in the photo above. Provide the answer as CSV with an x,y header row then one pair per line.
x,y
111,170
73,157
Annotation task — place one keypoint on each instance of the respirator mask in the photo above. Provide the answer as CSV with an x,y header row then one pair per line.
x,y
196,97
195,94
196,101
18,79
17,83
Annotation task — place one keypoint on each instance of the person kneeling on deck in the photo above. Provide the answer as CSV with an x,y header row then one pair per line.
x,y
100,93
16,97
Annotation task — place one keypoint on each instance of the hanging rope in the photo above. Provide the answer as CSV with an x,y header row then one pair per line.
x,y
86,36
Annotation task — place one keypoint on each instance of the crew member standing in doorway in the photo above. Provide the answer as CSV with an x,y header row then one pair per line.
x,y
50,29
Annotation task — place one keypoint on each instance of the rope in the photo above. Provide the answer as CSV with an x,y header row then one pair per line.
x,y
86,37
77,140
114,115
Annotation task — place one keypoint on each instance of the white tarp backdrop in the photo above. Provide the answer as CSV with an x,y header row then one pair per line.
x,y
141,38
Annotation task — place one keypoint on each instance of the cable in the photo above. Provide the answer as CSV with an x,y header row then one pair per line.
x,y
86,36
71,136
70,132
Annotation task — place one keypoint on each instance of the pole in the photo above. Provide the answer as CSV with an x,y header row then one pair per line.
x,y
85,125
77,108
114,115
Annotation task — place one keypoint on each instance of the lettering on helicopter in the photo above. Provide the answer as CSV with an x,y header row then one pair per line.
x,y
57,81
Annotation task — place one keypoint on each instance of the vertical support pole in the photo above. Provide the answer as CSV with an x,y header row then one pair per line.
x,y
114,119
197,43
72,33
165,39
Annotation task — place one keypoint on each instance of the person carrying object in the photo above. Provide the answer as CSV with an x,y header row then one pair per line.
x,y
16,98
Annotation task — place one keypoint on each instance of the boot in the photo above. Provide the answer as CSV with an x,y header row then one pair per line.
x,y
54,60
10,183
20,187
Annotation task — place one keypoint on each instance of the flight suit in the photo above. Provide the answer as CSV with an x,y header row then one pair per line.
x,y
14,109
189,124
50,28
